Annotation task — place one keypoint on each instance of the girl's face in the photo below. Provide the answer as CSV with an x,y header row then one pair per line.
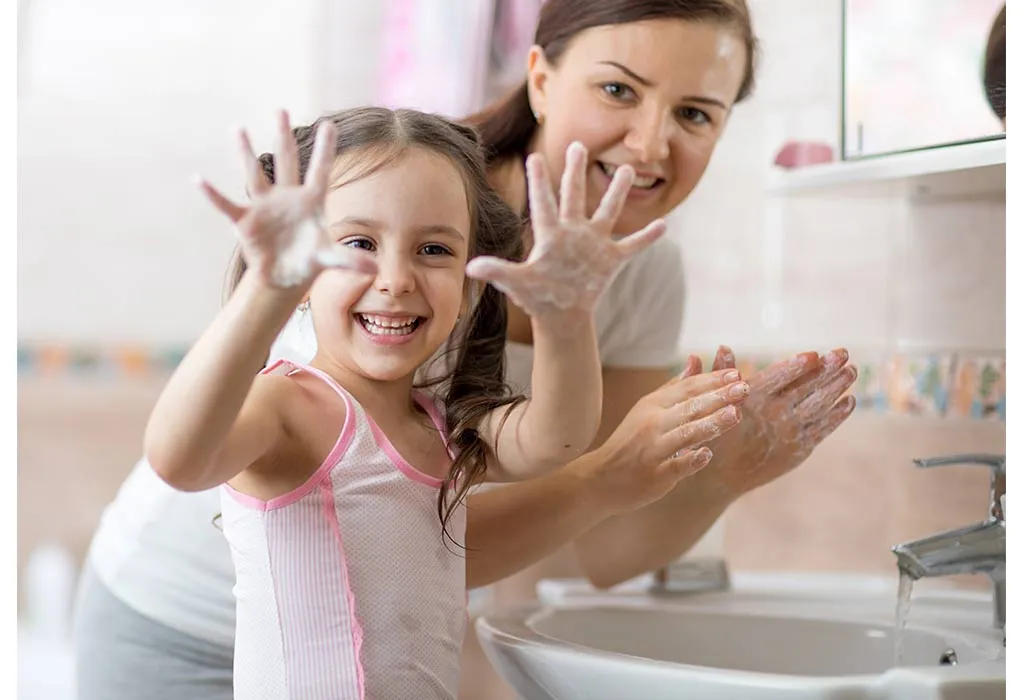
x,y
413,217
652,94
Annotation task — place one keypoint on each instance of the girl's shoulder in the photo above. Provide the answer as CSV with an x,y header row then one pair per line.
x,y
301,394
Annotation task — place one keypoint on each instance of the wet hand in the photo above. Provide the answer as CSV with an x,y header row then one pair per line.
x,y
281,232
793,406
666,436
573,257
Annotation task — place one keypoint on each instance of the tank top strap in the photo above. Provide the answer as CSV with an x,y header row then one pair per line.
x,y
288,368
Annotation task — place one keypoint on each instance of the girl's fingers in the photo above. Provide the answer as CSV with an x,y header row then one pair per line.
x,y
614,199
322,161
256,181
286,164
574,184
223,204
636,242
543,207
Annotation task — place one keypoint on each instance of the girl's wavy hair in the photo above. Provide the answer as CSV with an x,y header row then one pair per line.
x,y
508,126
473,381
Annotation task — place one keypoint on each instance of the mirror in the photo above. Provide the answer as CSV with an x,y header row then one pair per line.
x,y
915,74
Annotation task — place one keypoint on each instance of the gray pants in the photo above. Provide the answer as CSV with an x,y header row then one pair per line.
x,y
123,655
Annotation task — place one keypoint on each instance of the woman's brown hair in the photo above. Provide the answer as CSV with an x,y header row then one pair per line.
x,y
507,127
474,383
994,73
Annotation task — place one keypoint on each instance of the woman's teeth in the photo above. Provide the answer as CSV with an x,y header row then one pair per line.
x,y
640,183
389,325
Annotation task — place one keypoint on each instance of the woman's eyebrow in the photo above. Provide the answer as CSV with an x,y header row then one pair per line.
x,y
650,83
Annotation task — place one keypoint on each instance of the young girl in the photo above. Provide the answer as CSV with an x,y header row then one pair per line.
x,y
336,472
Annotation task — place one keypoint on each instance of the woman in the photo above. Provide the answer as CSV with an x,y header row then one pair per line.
x,y
648,83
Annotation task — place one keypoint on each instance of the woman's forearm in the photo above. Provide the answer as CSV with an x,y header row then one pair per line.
x,y
200,404
512,526
651,537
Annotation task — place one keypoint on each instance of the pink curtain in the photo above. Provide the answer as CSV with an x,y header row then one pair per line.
x,y
453,57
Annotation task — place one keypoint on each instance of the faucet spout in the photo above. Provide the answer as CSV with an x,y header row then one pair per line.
x,y
975,549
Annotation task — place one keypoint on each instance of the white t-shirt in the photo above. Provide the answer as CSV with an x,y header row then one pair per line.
x,y
159,550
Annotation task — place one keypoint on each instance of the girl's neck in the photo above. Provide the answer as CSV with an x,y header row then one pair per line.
x,y
375,396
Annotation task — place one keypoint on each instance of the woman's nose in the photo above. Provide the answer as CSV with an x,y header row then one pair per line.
x,y
649,136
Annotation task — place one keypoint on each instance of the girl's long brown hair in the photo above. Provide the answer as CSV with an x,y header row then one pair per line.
x,y
474,384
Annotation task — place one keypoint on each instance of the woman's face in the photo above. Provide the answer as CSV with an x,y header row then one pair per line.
x,y
654,95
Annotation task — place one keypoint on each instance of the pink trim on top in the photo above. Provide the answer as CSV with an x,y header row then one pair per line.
x,y
435,416
348,430
331,513
398,460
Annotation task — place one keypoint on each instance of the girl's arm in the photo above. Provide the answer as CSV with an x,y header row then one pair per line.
x,y
571,262
214,418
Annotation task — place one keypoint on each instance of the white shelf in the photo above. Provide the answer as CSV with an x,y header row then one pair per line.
x,y
965,169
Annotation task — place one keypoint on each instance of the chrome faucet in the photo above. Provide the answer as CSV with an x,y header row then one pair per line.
x,y
975,549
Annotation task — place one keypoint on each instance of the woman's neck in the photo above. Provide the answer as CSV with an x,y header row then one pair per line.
x,y
508,178
376,396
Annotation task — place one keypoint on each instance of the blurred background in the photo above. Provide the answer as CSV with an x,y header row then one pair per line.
x,y
122,263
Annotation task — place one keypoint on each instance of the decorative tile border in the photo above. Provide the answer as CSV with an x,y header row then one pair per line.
x,y
132,360
939,385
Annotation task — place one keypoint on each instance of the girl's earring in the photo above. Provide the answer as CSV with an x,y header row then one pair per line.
x,y
539,118
304,306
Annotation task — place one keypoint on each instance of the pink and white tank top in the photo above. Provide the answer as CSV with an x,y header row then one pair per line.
x,y
344,587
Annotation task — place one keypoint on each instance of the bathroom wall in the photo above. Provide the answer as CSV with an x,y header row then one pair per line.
x,y
121,263
120,106
916,291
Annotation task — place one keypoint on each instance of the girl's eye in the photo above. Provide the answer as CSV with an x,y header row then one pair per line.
x,y
433,249
619,91
692,114
361,243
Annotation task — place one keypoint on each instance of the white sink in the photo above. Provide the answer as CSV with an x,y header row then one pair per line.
x,y
749,643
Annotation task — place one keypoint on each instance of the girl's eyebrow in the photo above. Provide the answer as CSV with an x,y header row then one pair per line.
x,y
442,229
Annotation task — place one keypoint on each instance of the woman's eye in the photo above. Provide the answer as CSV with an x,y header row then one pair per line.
x,y
692,114
433,249
361,243
617,90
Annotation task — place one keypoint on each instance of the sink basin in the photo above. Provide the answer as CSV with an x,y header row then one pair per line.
x,y
747,644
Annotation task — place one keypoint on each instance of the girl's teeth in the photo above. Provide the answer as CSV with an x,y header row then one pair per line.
x,y
379,325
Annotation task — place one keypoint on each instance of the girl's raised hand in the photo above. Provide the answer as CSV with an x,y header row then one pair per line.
x,y
573,257
281,232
